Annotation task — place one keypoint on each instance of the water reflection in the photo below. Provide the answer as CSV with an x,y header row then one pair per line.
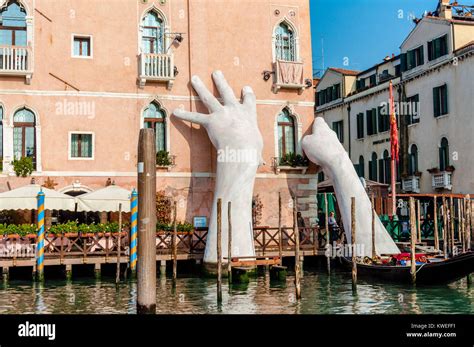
x,y
322,294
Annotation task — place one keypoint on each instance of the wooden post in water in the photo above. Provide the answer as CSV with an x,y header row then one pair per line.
x,y
219,250
119,245
280,236
435,224
174,245
146,275
468,222
328,238
461,224
229,242
413,240
445,228
297,251
353,242
451,214
418,220
374,253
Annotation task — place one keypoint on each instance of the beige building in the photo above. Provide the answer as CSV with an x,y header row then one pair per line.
x,y
78,79
434,98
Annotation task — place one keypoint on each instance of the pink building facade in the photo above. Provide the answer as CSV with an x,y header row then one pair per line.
x,y
78,79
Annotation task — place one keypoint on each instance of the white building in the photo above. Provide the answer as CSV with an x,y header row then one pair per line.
x,y
433,83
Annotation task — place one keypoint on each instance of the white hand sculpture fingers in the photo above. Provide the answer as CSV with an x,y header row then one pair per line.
x,y
249,99
193,117
227,95
212,104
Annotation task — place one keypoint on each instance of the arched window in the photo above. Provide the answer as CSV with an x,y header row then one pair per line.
x,y
155,118
361,167
153,36
286,133
373,167
413,160
13,25
285,43
384,173
444,154
24,137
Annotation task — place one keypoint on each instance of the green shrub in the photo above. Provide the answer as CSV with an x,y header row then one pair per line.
x,y
163,158
23,167
292,159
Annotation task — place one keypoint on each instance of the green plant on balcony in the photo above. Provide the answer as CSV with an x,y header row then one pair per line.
x,y
180,226
163,158
293,160
23,167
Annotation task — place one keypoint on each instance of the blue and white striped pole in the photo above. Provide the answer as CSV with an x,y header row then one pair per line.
x,y
40,242
133,231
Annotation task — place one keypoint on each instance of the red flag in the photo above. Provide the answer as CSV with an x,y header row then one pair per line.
x,y
394,145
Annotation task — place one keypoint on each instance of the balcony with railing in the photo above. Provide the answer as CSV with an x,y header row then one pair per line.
x,y
411,184
157,67
16,61
442,180
289,75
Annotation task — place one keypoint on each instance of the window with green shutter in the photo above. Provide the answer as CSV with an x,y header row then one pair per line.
x,y
360,126
438,47
440,100
412,109
338,128
444,154
371,122
373,167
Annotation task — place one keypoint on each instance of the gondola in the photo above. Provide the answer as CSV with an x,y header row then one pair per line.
x,y
436,271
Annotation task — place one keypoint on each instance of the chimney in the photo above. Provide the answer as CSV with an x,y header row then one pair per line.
x,y
445,9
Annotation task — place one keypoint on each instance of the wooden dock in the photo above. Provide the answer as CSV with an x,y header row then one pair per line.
x,y
103,248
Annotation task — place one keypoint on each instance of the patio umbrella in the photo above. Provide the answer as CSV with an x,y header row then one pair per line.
x,y
105,200
25,198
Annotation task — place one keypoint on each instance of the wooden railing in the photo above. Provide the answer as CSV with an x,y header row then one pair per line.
x,y
14,59
106,244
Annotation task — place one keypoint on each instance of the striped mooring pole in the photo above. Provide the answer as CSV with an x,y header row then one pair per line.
x,y
40,242
133,231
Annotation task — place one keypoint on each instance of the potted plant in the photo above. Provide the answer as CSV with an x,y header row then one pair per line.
x,y
23,167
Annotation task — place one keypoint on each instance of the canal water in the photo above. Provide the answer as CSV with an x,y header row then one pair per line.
x,y
321,294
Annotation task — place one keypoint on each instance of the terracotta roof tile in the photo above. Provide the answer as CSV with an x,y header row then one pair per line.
x,y
345,71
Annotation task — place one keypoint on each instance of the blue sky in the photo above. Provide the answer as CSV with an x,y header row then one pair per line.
x,y
361,32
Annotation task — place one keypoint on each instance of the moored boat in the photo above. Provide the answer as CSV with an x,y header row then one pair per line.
x,y
433,270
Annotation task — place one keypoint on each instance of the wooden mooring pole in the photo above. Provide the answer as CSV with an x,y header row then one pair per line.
x,y
451,216
328,238
174,239
461,224
413,240
418,220
468,222
119,246
374,252
353,242
229,242
219,250
435,222
445,228
146,275
280,236
297,251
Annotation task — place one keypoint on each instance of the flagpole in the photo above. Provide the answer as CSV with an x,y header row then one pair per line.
x,y
394,194
393,149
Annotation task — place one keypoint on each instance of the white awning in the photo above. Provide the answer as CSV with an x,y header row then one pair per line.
x,y
105,200
25,198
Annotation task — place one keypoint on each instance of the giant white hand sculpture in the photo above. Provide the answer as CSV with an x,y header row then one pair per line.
x,y
324,149
233,130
